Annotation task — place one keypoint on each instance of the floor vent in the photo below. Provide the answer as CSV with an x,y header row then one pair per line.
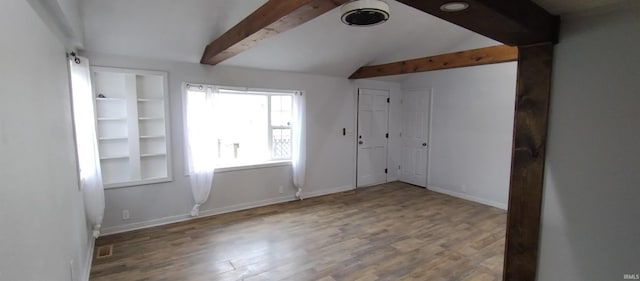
x,y
104,251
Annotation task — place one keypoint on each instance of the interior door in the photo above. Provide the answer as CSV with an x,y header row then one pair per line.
x,y
373,123
415,137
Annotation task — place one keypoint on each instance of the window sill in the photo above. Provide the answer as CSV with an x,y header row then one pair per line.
x,y
253,166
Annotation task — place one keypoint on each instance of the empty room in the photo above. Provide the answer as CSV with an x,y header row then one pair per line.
x,y
327,140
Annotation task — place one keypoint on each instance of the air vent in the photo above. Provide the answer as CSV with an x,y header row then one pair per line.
x,y
365,12
104,251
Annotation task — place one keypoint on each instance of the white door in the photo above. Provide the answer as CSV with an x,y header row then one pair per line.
x,y
373,122
415,136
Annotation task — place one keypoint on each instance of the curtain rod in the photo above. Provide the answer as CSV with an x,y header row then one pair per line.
x,y
73,55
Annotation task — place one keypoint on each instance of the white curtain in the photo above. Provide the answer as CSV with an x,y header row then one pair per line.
x,y
299,155
86,142
201,142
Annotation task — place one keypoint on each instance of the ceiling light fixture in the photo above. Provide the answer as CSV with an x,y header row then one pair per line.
x,y
454,6
365,12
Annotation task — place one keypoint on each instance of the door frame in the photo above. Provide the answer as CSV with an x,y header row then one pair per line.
x,y
429,139
355,131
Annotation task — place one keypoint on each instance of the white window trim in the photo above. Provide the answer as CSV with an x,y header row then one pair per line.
x,y
248,91
268,164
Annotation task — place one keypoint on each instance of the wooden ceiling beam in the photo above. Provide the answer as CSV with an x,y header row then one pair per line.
x,y
488,55
511,22
272,18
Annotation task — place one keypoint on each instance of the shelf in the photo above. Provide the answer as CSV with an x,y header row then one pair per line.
x,y
152,137
153,155
110,99
114,157
150,118
132,122
113,138
112,119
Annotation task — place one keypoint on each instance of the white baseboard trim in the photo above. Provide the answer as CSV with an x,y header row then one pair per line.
x,y
218,211
326,191
464,196
88,263
187,216
244,206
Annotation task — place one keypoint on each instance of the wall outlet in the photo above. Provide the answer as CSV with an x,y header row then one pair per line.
x,y
348,132
281,189
464,188
125,214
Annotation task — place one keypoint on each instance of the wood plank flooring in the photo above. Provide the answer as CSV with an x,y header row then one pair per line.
x,y
393,231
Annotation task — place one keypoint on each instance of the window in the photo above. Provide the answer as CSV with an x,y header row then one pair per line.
x,y
280,127
251,127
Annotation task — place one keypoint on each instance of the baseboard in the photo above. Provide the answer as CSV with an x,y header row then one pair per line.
x,y
327,191
468,197
218,211
88,263
185,217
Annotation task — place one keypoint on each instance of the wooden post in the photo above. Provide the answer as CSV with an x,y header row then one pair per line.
x,y
527,164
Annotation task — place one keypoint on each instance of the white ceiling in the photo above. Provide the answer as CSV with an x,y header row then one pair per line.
x,y
166,29
327,46
180,30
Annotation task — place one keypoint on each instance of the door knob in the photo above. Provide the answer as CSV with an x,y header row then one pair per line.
x,y
360,142
424,144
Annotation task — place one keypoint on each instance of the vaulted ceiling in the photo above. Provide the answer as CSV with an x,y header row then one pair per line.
x,y
171,30
179,30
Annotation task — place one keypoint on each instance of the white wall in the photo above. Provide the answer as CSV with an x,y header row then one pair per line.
x,y
331,156
42,219
591,212
471,130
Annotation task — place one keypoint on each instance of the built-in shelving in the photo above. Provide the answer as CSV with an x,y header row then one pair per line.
x,y
131,118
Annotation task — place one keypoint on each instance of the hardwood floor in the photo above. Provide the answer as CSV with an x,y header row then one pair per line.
x,y
393,231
